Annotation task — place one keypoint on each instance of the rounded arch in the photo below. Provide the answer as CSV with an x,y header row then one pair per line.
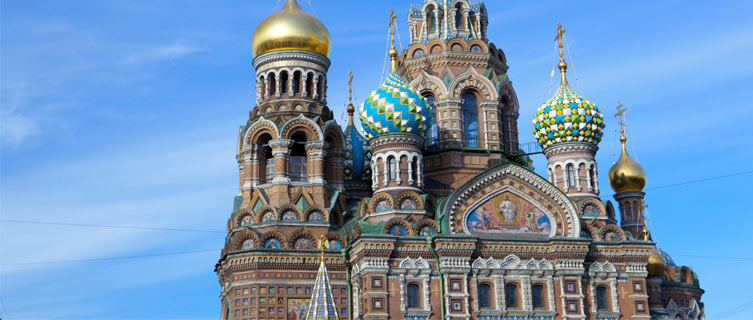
x,y
273,235
316,213
244,217
398,227
301,123
417,50
240,238
266,213
471,79
460,43
335,236
426,228
259,127
436,45
413,196
590,231
378,199
302,240
584,205
612,233
290,212
333,135
483,48
427,82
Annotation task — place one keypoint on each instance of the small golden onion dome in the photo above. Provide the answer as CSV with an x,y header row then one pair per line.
x,y
291,29
655,264
626,174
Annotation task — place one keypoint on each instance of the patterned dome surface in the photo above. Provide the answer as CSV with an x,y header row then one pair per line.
x,y
358,158
394,108
567,117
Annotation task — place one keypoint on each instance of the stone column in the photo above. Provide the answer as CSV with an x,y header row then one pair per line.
x,y
281,152
315,94
316,151
278,84
304,82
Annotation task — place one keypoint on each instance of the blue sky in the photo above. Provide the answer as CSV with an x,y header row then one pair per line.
x,y
126,113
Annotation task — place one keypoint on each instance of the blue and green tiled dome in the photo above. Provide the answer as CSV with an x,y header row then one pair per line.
x,y
358,154
567,117
394,108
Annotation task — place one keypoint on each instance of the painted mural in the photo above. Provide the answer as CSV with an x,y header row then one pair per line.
x,y
408,204
297,308
334,245
397,230
289,215
303,243
247,220
383,205
248,244
269,216
590,210
272,243
506,213
316,216
427,231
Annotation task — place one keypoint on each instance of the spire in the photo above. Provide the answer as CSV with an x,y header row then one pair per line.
x,y
322,305
393,52
350,109
562,65
621,121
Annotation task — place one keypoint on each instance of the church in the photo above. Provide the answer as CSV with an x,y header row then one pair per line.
x,y
423,206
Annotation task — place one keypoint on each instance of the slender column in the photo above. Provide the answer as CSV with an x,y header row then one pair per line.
x,y
316,87
316,151
281,152
278,84
410,171
304,82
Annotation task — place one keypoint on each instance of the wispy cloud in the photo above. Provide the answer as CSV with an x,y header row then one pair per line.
x,y
138,54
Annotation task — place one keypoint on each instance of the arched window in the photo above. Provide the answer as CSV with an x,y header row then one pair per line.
x,y
538,296
593,176
297,166
262,85
272,84
414,168
484,300
570,176
393,168
320,87
432,134
511,295
413,295
297,82
432,20
267,160
470,120
284,82
310,84
601,298
459,17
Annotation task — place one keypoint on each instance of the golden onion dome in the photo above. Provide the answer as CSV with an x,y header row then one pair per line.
x,y
655,264
291,29
626,174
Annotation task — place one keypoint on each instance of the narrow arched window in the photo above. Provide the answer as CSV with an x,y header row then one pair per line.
x,y
593,176
459,17
570,176
297,168
511,295
601,298
414,169
432,134
470,120
310,84
297,82
393,168
484,300
538,296
413,295
432,19
272,84
284,82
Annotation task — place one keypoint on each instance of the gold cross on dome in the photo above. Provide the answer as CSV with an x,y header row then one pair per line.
x,y
558,38
350,80
619,115
391,26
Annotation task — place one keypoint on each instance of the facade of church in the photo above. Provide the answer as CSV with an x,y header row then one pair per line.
x,y
429,210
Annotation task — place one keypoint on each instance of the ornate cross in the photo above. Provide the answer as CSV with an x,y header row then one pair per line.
x,y
323,245
619,116
350,80
391,26
558,38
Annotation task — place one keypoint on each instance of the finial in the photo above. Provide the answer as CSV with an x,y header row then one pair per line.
x,y
350,109
393,52
621,121
323,245
645,235
562,65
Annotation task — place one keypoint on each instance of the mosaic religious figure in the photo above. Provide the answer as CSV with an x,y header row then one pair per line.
x,y
272,243
514,216
383,205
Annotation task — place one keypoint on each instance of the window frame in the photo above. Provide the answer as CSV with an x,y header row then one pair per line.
x,y
413,300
